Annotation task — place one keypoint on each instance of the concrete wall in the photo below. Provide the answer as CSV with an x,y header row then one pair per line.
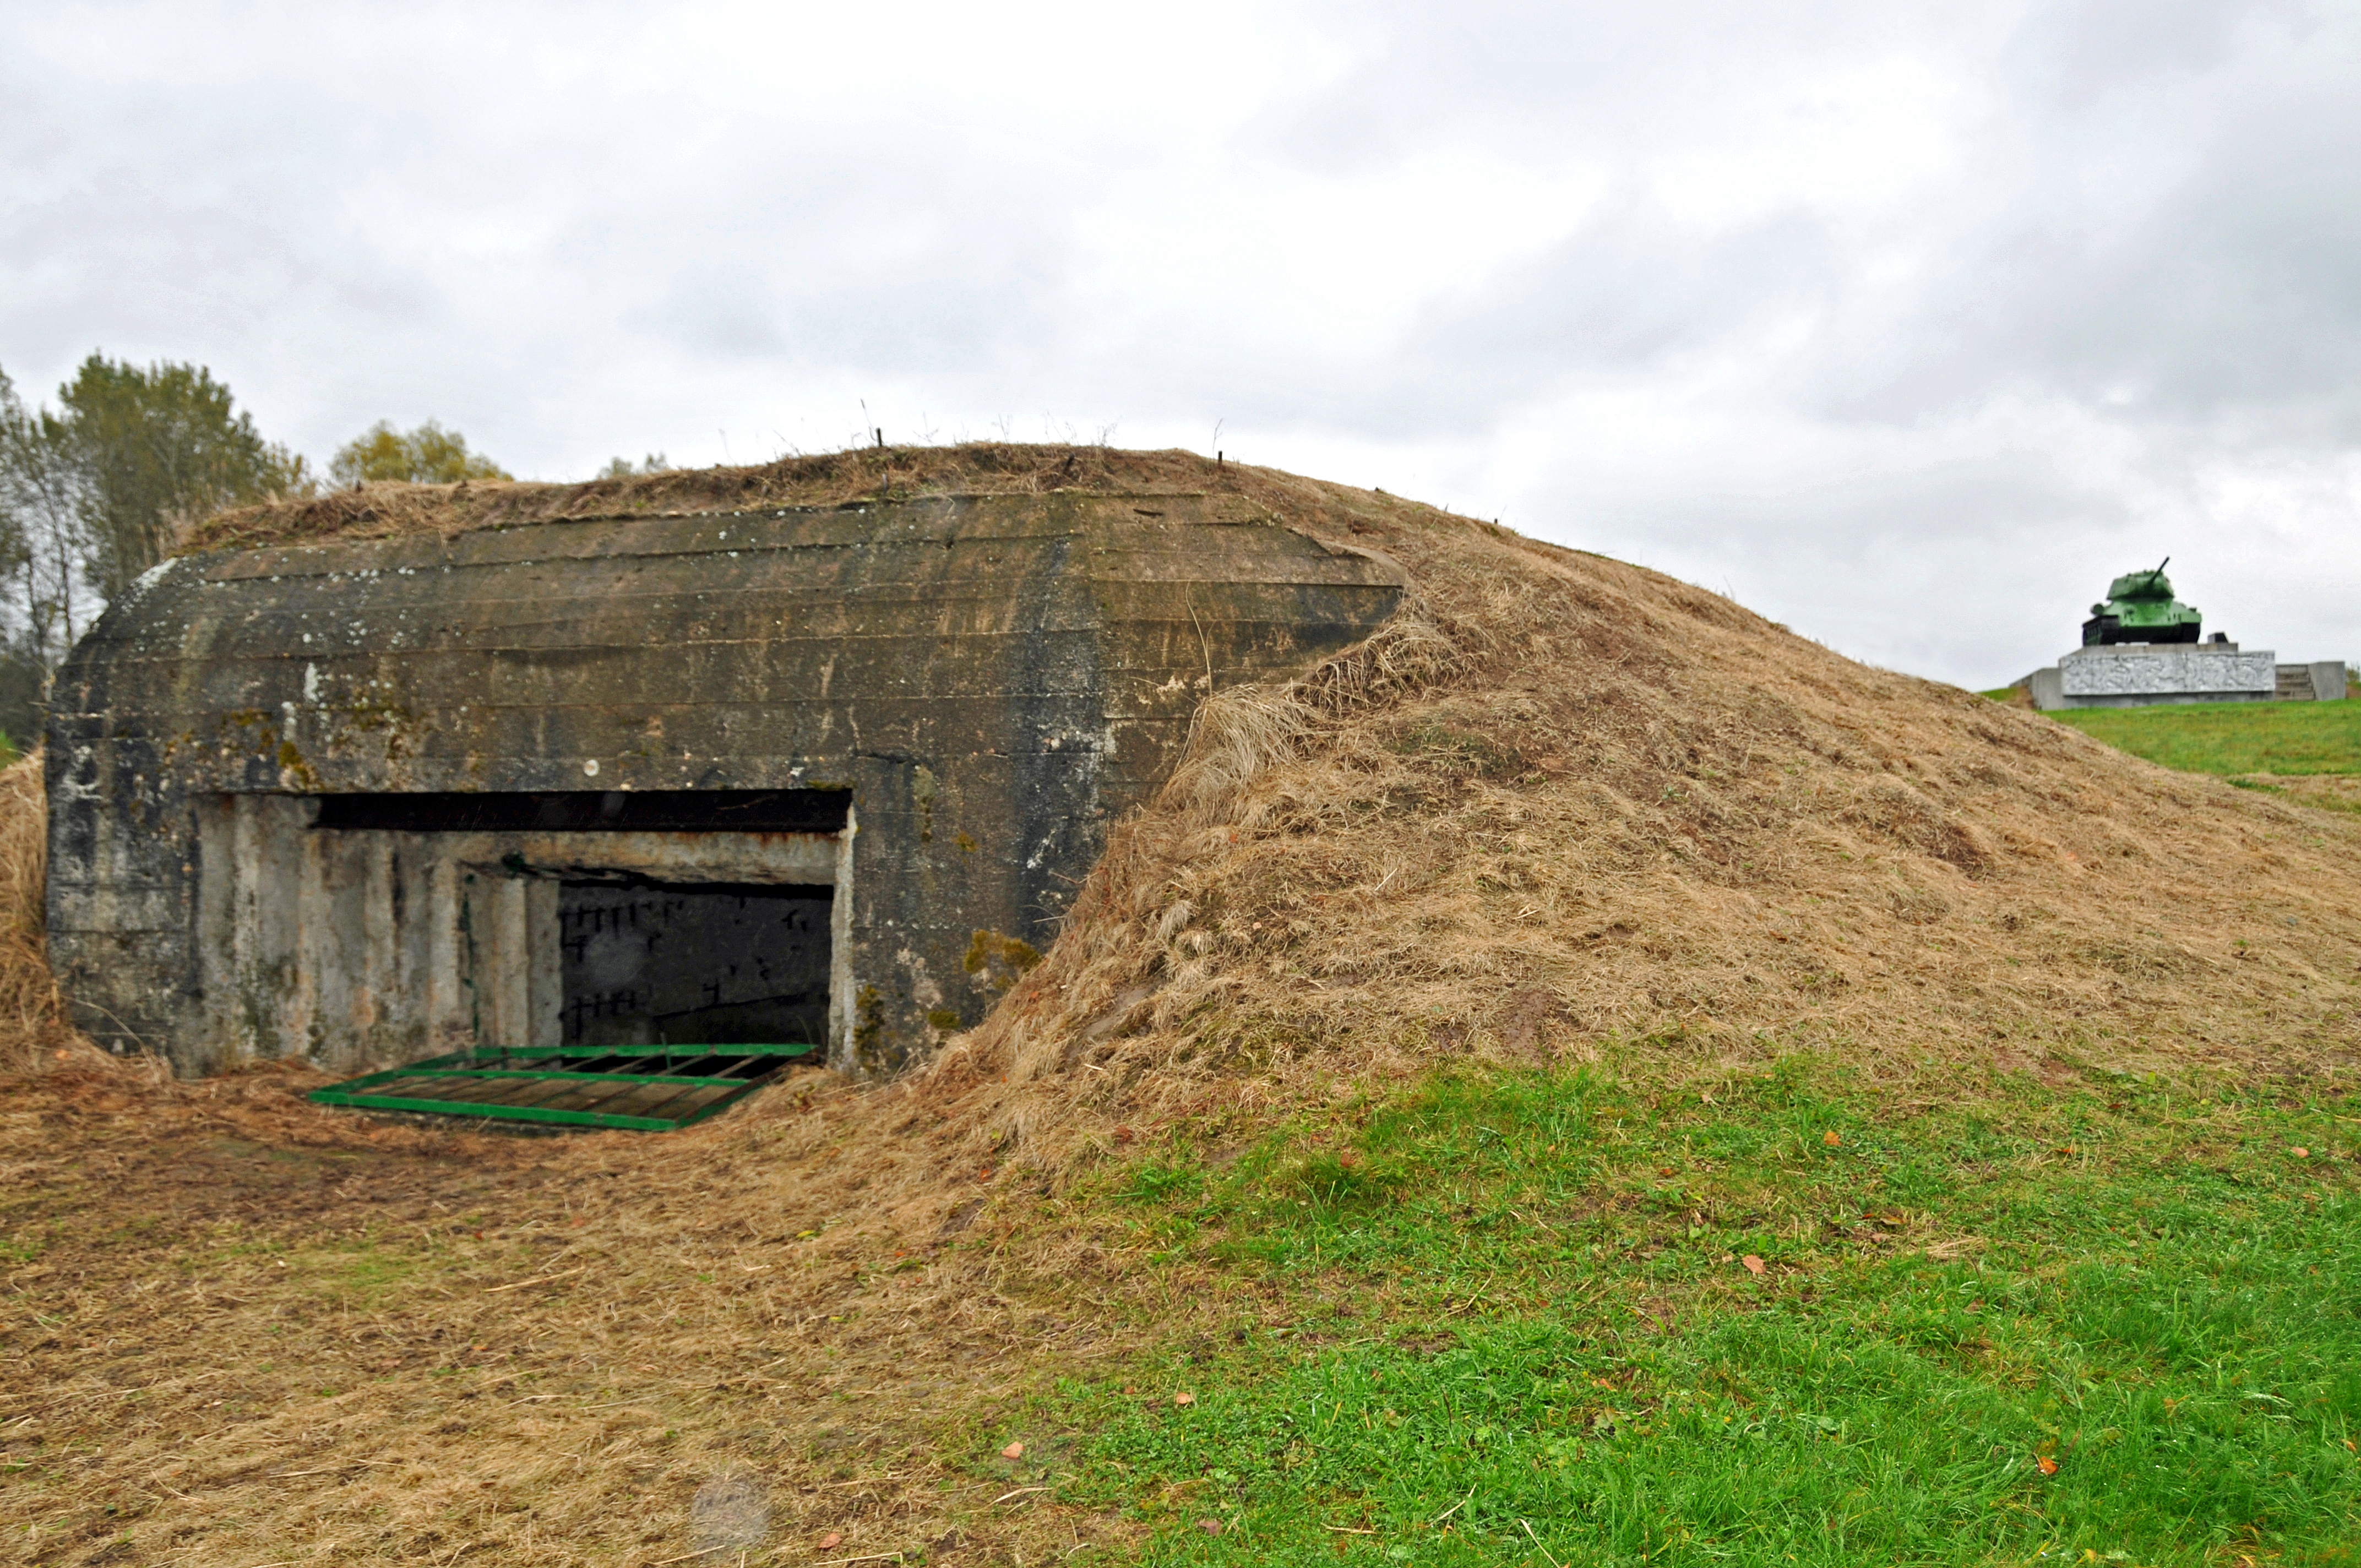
x,y
2138,675
993,678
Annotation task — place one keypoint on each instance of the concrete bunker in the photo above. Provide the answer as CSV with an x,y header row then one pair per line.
x,y
829,775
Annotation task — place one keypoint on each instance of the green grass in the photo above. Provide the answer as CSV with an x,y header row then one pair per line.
x,y
2233,737
1518,1301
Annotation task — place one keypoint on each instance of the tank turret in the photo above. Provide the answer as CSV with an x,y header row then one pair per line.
x,y
2140,608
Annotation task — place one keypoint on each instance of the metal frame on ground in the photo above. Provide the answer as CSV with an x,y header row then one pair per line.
x,y
595,1087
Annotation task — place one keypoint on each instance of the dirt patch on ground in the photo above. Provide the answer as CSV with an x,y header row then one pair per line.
x,y
1562,809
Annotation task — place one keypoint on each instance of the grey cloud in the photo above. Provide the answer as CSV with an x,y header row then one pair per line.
x,y
2231,297
1532,69
1881,565
2081,51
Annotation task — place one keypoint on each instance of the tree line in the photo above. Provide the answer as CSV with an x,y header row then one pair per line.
x,y
96,489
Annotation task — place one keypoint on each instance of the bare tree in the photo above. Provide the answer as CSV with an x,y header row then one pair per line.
x,y
42,543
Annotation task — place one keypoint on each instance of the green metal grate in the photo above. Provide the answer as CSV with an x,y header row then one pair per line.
x,y
655,1088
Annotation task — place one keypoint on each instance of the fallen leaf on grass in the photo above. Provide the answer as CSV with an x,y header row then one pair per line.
x,y
1013,1451
1754,1263
1184,1398
1210,1526
1830,1138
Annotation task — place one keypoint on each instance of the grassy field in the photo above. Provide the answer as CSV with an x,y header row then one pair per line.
x,y
1535,1318
2232,737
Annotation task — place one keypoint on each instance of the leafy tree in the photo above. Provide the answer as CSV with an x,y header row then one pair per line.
x,y
624,467
427,455
151,449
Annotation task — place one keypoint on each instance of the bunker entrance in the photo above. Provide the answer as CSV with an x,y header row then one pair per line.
x,y
609,959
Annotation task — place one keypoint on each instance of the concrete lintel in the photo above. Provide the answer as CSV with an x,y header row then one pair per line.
x,y
784,858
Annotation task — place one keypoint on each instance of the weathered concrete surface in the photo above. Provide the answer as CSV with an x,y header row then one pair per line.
x,y
990,678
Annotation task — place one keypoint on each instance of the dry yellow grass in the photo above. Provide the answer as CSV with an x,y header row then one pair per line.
x,y
1564,808
33,1030
379,511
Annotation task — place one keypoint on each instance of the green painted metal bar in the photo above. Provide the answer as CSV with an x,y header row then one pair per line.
x,y
615,1095
494,1110
496,1090
597,1093
504,1110
542,1073
520,1087
684,1064
682,1049
472,1069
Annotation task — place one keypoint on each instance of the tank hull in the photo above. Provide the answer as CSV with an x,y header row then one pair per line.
x,y
2106,630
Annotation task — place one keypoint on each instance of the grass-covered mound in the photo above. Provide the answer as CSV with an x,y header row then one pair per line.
x,y
1404,999
2233,738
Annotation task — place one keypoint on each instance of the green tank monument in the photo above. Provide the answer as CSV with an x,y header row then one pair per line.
x,y
2143,646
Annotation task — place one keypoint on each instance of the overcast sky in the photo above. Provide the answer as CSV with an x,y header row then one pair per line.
x,y
1909,325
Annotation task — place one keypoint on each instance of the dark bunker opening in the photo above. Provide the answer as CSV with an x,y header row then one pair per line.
x,y
656,963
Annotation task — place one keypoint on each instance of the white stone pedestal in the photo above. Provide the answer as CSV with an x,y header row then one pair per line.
x,y
2135,674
